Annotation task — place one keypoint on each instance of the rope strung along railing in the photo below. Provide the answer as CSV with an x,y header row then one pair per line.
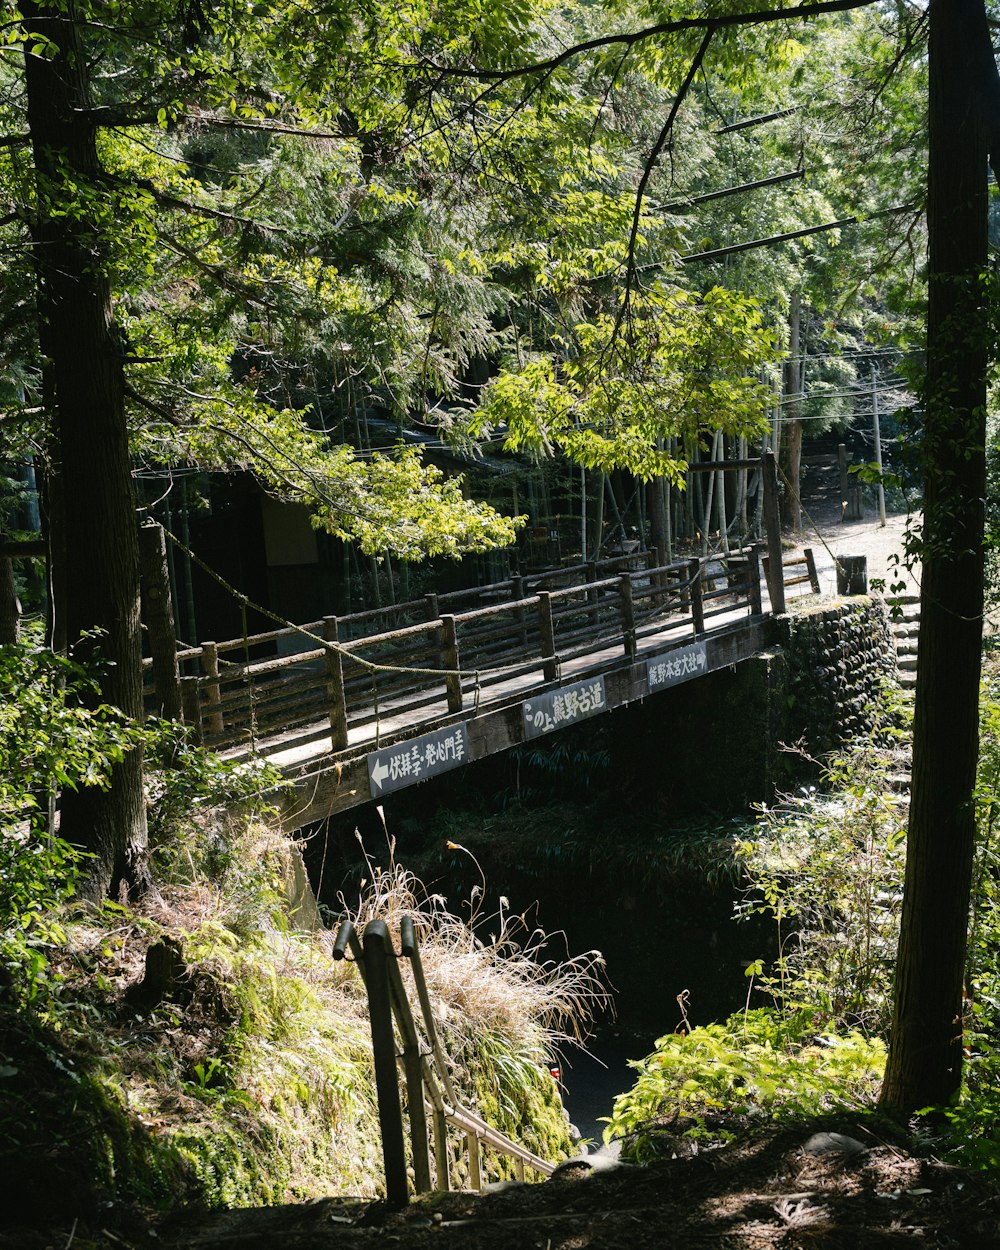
x,y
436,663
424,1067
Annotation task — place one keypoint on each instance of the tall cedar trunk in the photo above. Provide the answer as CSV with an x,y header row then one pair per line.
x,y
925,1057
10,605
101,572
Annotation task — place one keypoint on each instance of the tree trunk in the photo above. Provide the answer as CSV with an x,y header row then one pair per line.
x,y
925,1056
657,520
158,617
10,605
101,581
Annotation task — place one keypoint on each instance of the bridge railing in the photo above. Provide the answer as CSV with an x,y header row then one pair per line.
x,y
342,677
345,690
389,617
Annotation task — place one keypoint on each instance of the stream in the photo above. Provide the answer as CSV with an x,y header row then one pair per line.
x,y
591,1080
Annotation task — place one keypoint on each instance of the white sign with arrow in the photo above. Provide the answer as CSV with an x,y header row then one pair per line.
x,y
405,763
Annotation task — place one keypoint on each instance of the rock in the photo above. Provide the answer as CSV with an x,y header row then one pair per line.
x,y
833,1144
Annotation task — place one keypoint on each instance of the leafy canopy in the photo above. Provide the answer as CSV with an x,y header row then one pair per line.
x,y
679,364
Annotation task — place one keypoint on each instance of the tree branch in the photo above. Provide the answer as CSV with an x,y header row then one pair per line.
x,y
218,274
205,118
661,139
758,17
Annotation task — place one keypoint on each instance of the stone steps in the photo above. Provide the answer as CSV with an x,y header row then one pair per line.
x,y
904,622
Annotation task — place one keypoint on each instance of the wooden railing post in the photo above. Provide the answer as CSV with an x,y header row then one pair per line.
x,y
450,662
810,560
431,607
592,577
410,950
550,666
378,951
158,614
413,1071
628,614
697,603
517,590
753,572
772,530
191,706
212,689
475,1162
336,699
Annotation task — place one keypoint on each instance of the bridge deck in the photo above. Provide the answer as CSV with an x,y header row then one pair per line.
x,y
396,715
354,708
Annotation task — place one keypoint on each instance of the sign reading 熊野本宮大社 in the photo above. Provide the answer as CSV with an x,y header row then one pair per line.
x,y
673,667
556,708
406,763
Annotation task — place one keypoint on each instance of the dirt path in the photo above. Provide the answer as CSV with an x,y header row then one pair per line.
x,y
829,536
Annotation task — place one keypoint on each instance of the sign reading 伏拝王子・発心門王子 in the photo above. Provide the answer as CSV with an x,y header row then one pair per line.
x,y
406,763
556,708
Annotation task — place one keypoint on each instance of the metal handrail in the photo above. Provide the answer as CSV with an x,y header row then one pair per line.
x,y
424,1066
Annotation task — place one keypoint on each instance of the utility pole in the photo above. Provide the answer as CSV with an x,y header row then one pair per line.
x,y
878,446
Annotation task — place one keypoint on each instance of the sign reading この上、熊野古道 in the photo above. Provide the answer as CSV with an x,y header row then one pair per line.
x,y
556,708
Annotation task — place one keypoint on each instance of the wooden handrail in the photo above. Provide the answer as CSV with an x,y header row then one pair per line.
x,y
425,1070
445,649
435,656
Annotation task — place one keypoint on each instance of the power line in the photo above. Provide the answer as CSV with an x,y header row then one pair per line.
x,y
756,121
706,196
733,248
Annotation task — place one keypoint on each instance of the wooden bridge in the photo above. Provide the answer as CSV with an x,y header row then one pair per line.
x,y
356,707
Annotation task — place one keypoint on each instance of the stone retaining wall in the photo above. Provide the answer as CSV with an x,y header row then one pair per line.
x,y
838,658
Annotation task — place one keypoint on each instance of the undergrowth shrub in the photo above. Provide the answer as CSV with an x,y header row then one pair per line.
x,y
974,1122
243,1075
50,740
826,868
760,1065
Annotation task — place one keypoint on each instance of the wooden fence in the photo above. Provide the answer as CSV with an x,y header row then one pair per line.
x,y
399,1046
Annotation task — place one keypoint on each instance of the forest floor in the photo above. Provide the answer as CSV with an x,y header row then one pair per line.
x,y
789,1186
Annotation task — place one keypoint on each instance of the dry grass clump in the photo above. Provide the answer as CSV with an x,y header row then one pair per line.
x,y
488,972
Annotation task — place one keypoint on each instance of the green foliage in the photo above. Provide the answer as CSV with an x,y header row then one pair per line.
x,y
827,868
192,777
759,1065
666,366
969,1132
974,1122
51,738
